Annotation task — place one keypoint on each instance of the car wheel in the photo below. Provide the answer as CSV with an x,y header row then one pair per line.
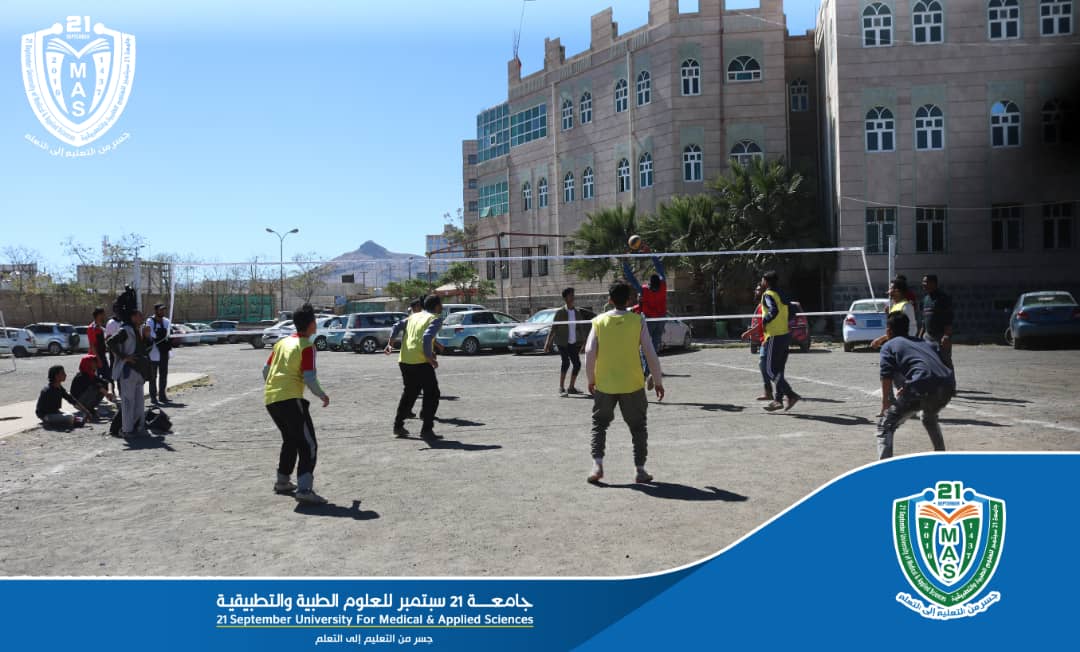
x,y
369,345
320,343
20,352
257,343
1009,336
471,346
849,347
686,341
55,348
231,339
346,347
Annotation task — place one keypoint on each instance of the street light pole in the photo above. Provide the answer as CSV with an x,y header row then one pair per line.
x,y
281,260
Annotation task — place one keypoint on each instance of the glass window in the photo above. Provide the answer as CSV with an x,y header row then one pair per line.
x,y
929,128
746,151
622,173
472,159
1006,227
644,88
528,125
744,69
800,96
692,160
542,265
527,263
586,108
1005,124
1057,226
930,229
880,130
645,172
621,93
474,207
493,133
1057,121
494,199
1003,19
926,21
691,77
880,224
568,188
1055,17
526,196
472,184
490,268
567,115
877,26
542,190
587,189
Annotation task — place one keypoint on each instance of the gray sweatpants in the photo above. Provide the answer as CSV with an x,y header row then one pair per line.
x,y
132,400
903,409
633,407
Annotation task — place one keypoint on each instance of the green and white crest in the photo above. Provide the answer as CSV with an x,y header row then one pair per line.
x,y
948,541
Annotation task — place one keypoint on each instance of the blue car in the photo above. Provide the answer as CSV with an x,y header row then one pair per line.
x,y
471,331
1043,315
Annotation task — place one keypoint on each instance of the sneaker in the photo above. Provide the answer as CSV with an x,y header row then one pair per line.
x,y
774,406
428,433
596,475
284,487
573,390
765,397
649,383
400,431
642,476
791,401
309,497
562,392
412,415
165,400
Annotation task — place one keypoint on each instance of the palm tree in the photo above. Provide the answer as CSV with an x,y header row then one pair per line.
x,y
603,232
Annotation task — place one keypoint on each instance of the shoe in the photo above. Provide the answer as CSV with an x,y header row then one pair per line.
x,y
154,401
792,400
284,487
596,475
562,392
412,415
400,431
165,400
765,397
573,390
642,476
649,384
774,406
428,433
309,497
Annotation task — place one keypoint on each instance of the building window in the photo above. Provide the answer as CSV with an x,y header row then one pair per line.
x,y
930,229
644,88
880,224
568,188
746,151
880,130
877,26
474,207
691,77
472,184
621,94
542,265
744,69
1003,17
1007,228
1057,117
644,166
929,128
586,108
567,115
1057,226
1055,17
622,176
494,199
926,19
526,196
528,125
493,133
490,267
587,190
691,162
472,159
800,96
541,190
1005,124
527,264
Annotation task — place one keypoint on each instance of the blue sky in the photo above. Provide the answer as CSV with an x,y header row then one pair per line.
x,y
341,117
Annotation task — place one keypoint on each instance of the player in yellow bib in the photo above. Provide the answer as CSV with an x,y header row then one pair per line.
x,y
418,365
774,320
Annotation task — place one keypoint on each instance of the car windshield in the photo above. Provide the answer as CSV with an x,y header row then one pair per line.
x,y
868,306
67,329
1054,299
453,318
542,317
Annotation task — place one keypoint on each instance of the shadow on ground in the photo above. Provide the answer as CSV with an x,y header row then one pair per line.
x,y
711,407
672,491
337,511
838,420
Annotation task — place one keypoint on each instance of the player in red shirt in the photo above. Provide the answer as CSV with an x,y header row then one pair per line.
x,y
652,304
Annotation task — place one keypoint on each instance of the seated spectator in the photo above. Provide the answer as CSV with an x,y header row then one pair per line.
x,y
49,401
88,387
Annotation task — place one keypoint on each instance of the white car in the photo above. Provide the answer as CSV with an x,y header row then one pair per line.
x,y
276,332
865,322
676,335
18,342
327,326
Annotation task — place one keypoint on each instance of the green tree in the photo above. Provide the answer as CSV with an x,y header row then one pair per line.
x,y
408,290
465,280
603,232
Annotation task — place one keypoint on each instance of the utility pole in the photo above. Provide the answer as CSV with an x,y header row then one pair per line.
x,y
281,261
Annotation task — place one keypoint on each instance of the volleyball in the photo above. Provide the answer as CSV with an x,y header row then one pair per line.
x,y
634,242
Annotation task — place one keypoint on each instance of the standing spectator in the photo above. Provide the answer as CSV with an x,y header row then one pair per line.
x,y
937,310
95,333
777,342
757,331
157,331
130,373
112,327
653,305
569,338
899,303
49,401
418,364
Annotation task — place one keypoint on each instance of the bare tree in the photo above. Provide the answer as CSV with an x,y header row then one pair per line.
x,y
309,279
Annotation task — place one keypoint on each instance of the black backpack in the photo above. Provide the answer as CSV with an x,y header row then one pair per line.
x,y
158,421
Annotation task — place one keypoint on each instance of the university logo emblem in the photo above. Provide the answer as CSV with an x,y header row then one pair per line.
x,y
78,78
948,541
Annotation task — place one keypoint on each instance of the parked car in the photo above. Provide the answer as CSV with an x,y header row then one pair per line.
x,y
202,328
474,330
335,335
184,335
369,332
531,335
84,339
1044,315
451,308
54,338
797,324
271,335
18,341
328,326
229,331
865,322
676,335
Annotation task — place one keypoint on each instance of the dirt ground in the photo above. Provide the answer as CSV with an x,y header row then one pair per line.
x,y
505,494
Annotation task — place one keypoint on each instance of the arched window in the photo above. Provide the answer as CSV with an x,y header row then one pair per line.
x,y
644,88
926,21
526,196
644,166
800,96
622,175
1003,19
541,190
1057,118
691,161
880,130
587,190
744,69
1055,17
929,127
568,188
567,115
1005,124
586,108
877,26
621,93
691,77
746,151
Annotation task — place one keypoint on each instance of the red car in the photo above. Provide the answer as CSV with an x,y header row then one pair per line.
x,y
797,324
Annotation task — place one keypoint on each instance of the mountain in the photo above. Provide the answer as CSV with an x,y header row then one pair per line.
x,y
392,266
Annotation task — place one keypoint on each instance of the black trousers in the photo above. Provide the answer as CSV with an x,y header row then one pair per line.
x,y
417,378
159,377
570,357
293,419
